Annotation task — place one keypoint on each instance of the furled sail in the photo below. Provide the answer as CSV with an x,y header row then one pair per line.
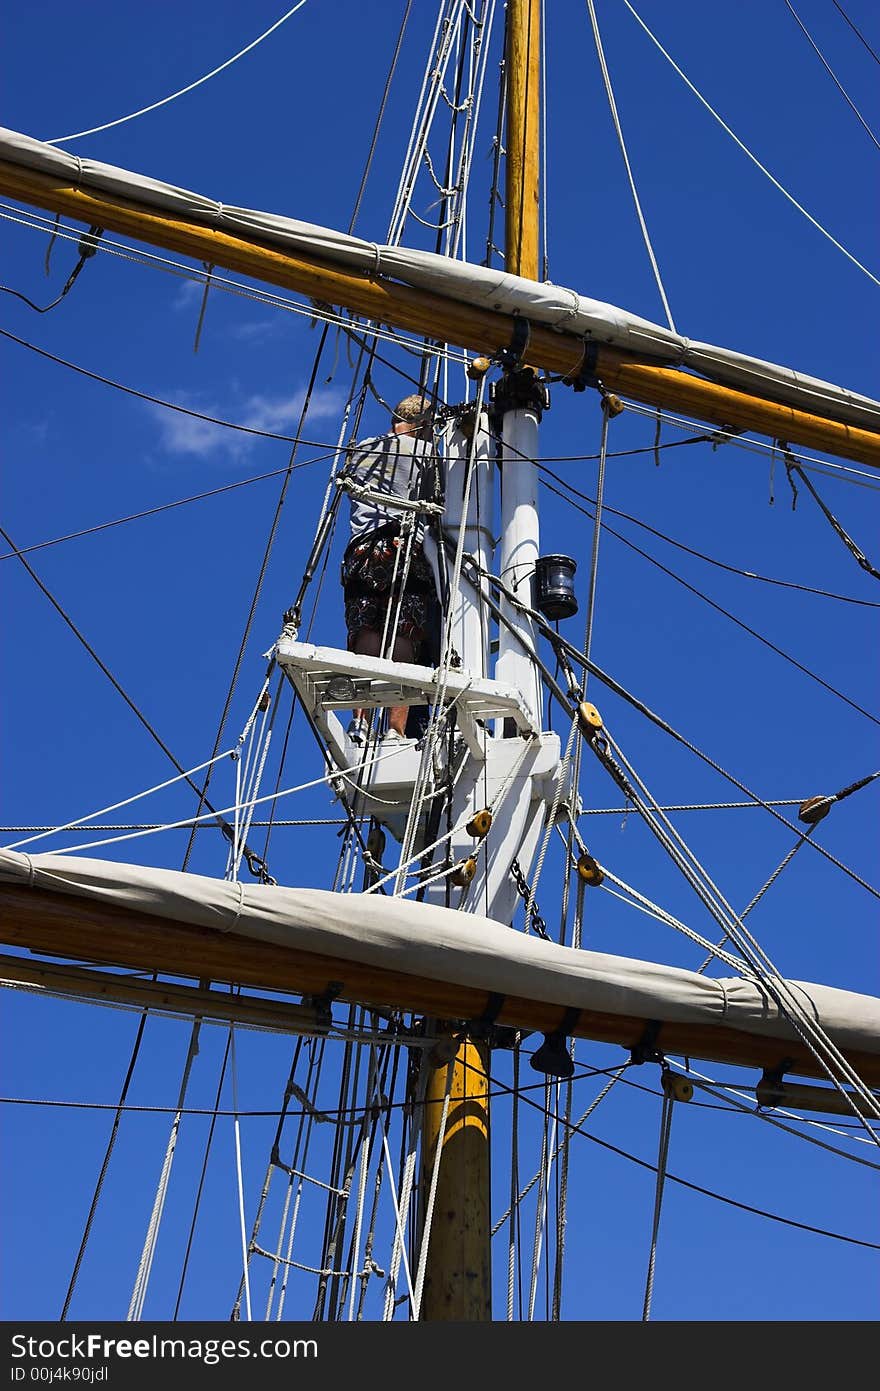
x,y
540,302
395,941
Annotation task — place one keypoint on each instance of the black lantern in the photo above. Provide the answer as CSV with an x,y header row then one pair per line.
x,y
554,586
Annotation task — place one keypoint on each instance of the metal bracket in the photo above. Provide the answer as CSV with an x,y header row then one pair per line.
x,y
646,1050
519,389
553,1057
511,357
769,1091
321,1003
586,372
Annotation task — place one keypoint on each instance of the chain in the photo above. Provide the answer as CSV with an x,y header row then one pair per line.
x,y
533,916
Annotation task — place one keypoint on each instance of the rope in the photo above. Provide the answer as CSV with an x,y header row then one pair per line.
x,y
202,1175
780,652
827,66
112,679
563,1146
88,245
432,1195
541,1205
378,125
609,92
847,540
759,895
746,151
701,555
588,640
514,1180
108,125
191,822
856,31
145,1265
71,825
105,1164
662,1156
780,990
644,709
238,1175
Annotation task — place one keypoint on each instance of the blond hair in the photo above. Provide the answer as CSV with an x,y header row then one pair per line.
x,y
412,409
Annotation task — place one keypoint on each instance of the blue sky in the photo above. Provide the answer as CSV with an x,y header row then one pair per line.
x,y
163,600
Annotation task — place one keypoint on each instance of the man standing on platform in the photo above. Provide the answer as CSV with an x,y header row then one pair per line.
x,y
386,578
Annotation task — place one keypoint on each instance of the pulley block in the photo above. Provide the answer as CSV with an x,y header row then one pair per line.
x,y
677,1088
590,871
589,720
464,872
479,823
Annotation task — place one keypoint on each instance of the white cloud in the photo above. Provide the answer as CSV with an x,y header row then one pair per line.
x,y
187,435
188,293
256,330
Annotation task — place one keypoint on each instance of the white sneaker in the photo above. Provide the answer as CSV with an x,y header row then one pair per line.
x,y
357,731
391,736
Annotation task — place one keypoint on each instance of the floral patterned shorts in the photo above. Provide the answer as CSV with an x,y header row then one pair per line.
x,y
367,571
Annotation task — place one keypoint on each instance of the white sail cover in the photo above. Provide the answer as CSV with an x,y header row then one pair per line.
x,y
540,302
442,944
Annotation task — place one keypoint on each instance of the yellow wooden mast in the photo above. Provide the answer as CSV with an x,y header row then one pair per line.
x,y
455,1192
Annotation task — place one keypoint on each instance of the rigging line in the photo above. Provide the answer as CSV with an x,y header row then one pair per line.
x,y
224,827
639,705
343,821
856,31
662,1157
378,125
700,555
420,131
565,764
733,1101
674,444
147,792
202,1175
786,860
784,993
315,310
582,1074
563,1144
755,957
233,1072
163,507
780,652
751,446
168,405
145,1265
575,1129
105,1163
256,801
258,586
754,446
108,125
764,170
847,540
609,92
830,71
87,248
653,910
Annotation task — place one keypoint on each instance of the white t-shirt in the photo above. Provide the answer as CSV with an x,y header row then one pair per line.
x,y
391,464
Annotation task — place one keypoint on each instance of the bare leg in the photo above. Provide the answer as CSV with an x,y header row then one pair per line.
x,y
367,643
